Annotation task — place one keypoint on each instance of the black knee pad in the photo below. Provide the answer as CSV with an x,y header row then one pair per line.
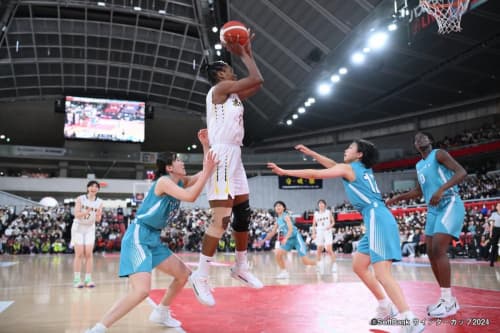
x,y
241,217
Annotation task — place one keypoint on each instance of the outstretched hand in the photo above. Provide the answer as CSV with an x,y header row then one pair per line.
x,y
236,48
304,150
436,197
275,169
203,136
210,161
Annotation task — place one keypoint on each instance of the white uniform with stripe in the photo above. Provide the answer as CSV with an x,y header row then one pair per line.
x,y
323,236
225,135
83,229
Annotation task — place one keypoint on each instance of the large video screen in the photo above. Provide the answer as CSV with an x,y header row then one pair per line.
x,y
104,119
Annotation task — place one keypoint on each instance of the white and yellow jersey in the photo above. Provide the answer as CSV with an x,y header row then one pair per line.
x,y
92,206
225,121
322,219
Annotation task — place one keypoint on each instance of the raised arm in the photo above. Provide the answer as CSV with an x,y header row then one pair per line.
x,y
166,186
246,86
203,138
321,159
338,170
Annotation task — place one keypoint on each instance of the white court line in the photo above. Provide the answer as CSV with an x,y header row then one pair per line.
x,y
4,305
8,263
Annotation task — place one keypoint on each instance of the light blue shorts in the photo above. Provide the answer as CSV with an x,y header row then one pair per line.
x,y
381,240
142,250
296,242
446,218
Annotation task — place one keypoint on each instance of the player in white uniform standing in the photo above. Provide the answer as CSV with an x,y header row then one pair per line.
x,y
323,223
227,190
88,211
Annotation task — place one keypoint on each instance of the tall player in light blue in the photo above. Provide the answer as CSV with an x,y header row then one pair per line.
x,y
438,175
380,244
142,250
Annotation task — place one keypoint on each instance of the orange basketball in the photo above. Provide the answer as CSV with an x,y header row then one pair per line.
x,y
234,31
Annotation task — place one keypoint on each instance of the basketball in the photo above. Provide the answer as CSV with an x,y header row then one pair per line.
x,y
234,31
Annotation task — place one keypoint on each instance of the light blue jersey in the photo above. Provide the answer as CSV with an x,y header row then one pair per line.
x,y
283,226
157,211
381,239
363,191
432,175
295,241
142,249
447,216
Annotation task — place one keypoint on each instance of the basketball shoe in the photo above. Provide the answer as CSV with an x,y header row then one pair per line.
x,y
77,283
201,289
241,273
385,312
283,275
443,308
163,316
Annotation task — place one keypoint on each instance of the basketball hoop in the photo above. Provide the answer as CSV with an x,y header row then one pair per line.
x,y
448,13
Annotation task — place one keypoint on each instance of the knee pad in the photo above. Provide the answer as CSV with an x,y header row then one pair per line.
x,y
241,217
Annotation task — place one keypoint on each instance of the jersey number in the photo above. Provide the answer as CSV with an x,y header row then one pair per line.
x,y
371,180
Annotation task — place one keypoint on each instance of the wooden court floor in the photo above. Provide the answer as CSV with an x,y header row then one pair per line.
x,y
36,295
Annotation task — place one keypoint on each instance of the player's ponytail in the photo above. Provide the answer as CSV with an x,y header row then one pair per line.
x,y
370,152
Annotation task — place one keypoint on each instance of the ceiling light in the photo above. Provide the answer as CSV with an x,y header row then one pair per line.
x,y
218,53
215,29
2,136
100,3
295,116
366,50
194,146
311,100
324,89
218,46
307,104
335,78
378,40
188,148
162,11
301,110
343,71
358,58
289,122
8,139
392,27
137,8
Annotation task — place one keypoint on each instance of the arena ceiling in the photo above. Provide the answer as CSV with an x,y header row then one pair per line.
x,y
151,50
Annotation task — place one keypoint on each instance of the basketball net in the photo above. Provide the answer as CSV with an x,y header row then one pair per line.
x,y
448,13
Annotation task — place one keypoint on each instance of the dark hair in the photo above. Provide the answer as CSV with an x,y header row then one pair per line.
x,y
370,152
212,70
322,200
162,162
427,134
93,182
279,203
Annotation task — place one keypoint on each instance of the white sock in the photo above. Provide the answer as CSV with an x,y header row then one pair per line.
x,y
204,264
100,328
408,315
162,307
241,257
88,277
384,302
446,294
77,275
